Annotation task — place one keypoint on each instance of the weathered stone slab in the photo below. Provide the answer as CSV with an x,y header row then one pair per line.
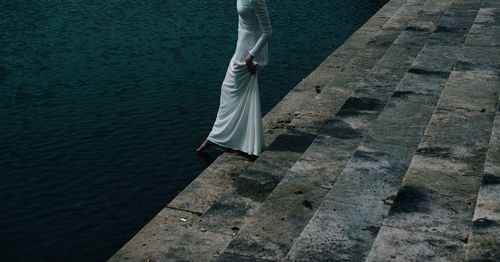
x,y
374,173
206,189
399,56
270,233
402,123
436,7
394,244
406,13
492,163
355,106
389,9
240,201
488,16
321,78
437,196
435,60
473,90
416,34
380,83
451,20
431,14
421,87
326,103
488,203
345,128
349,77
461,14
484,238
292,141
484,35
260,179
457,134
383,39
282,114
226,216
357,40
320,109
229,257
490,4
354,119
479,58
319,167
347,221
256,184
464,8
337,233
376,22
439,189
448,36
365,62
172,235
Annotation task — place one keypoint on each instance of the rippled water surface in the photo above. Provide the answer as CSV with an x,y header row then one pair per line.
x,y
102,103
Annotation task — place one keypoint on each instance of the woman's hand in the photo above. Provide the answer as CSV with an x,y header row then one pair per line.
x,y
252,68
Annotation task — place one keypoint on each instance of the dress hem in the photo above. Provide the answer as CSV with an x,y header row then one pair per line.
x,y
239,149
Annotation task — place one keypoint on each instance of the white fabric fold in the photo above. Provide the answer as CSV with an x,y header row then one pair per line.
x,y
239,121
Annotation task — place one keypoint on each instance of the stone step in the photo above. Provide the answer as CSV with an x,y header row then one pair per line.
x,y
175,232
228,166
434,207
259,179
253,186
484,238
269,233
348,219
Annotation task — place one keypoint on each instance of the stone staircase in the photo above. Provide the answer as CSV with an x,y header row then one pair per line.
x,y
378,155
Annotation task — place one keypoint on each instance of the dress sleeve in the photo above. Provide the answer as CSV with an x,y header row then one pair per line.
x,y
260,9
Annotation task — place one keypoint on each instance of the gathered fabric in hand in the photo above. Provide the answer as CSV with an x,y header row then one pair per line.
x,y
239,121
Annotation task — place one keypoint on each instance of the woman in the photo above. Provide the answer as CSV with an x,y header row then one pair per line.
x,y
238,124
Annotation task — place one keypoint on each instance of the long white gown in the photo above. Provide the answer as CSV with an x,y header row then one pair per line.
x,y
239,124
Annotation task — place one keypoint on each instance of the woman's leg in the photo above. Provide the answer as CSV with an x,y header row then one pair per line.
x,y
204,145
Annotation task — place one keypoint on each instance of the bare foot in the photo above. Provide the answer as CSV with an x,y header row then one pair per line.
x,y
204,145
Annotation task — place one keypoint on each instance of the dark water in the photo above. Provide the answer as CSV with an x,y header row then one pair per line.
x,y
103,102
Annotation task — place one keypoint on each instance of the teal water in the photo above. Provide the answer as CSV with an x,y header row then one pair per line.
x,y
102,103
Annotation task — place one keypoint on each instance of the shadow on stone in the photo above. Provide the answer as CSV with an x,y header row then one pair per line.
x,y
410,199
402,94
339,129
490,180
296,142
422,71
434,151
256,184
482,224
372,229
354,105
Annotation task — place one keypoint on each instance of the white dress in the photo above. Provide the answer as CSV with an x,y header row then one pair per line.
x,y
239,124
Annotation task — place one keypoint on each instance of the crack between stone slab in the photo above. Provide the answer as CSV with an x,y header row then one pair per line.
x,y
248,256
185,210
341,202
466,109
436,234
480,45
